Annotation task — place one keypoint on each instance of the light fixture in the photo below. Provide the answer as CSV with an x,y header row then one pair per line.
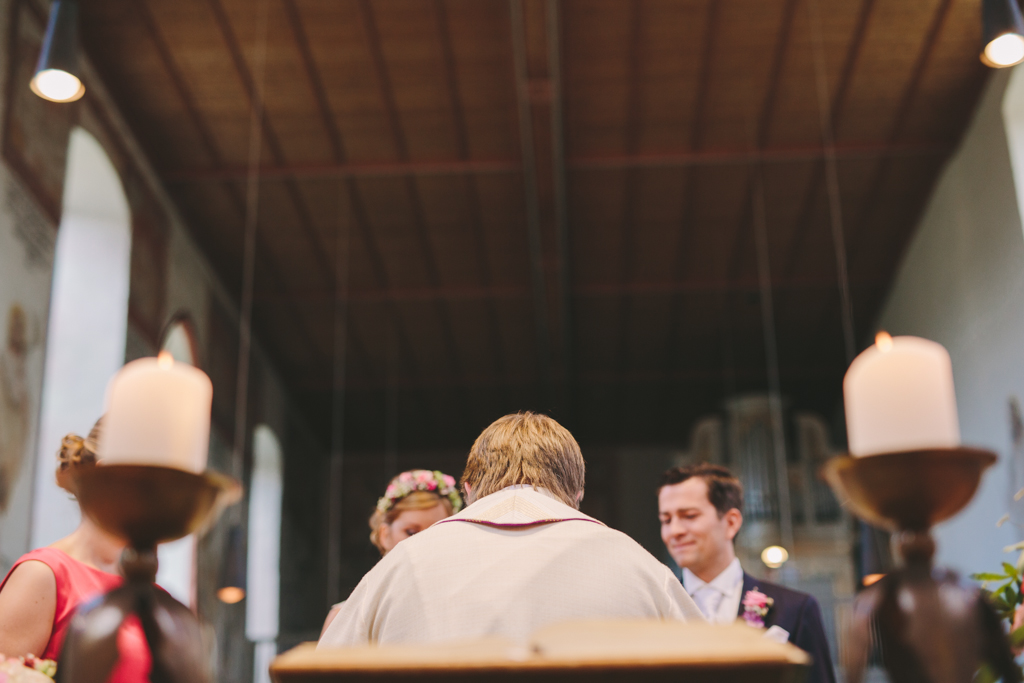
x,y
774,556
1002,33
57,76
232,583
872,579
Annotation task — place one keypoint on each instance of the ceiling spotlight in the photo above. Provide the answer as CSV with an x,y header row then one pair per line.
x,y
872,579
774,556
1002,32
57,76
230,594
232,580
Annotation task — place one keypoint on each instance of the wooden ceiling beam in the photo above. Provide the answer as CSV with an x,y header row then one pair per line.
x,y
836,112
906,101
782,44
765,116
315,81
560,196
170,66
686,231
594,162
756,158
762,131
497,293
357,209
473,196
384,169
531,191
318,249
685,377
627,228
528,160
386,91
827,316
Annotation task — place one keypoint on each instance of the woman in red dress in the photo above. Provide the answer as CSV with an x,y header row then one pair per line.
x,y
39,596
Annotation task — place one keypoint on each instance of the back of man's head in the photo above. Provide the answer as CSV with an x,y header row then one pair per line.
x,y
526,448
725,491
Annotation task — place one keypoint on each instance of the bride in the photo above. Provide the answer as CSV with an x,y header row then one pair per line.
x,y
413,501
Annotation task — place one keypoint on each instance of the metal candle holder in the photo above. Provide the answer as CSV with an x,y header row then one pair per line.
x,y
932,629
145,505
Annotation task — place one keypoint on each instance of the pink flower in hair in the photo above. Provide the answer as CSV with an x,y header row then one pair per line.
x,y
449,480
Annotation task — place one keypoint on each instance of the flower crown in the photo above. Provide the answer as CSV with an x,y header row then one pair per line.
x,y
420,480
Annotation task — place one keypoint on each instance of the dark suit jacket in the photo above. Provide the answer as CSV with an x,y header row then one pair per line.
x,y
799,614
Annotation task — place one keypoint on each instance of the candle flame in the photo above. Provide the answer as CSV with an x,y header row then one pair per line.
x,y
883,341
165,361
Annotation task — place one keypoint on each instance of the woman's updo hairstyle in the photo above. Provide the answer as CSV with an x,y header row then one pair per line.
x,y
74,454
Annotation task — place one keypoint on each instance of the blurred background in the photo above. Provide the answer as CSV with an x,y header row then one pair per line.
x,y
655,220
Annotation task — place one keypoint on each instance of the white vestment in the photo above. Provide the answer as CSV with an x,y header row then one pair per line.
x,y
507,565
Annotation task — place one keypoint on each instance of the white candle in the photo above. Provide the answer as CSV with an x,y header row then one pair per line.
x,y
158,413
899,397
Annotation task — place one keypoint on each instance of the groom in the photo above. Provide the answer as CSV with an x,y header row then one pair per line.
x,y
700,510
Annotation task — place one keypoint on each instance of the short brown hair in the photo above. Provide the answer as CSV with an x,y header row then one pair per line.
x,y
725,491
526,448
417,500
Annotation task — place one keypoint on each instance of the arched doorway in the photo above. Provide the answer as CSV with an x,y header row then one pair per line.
x,y
88,319
263,573
177,569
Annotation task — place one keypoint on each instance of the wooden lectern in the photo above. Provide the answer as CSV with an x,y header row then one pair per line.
x,y
604,651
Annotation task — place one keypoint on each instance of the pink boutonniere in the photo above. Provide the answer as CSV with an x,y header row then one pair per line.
x,y
756,606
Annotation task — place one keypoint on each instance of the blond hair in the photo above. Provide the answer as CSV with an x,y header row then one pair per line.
x,y
76,453
417,500
526,448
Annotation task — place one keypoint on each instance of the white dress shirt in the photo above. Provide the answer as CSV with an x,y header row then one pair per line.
x,y
507,565
719,599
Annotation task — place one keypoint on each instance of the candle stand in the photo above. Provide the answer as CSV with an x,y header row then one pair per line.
x,y
145,505
931,628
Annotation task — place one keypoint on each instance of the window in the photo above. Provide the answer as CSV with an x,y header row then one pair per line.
x,y
263,574
88,319
177,569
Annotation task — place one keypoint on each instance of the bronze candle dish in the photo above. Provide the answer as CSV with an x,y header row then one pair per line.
x,y
931,628
145,505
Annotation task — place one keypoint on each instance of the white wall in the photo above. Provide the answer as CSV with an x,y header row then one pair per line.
x,y
88,321
961,283
26,258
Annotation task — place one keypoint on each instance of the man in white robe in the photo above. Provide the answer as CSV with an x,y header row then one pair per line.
x,y
519,557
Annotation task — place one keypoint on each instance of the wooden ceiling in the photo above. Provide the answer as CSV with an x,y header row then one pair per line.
x,y
541,204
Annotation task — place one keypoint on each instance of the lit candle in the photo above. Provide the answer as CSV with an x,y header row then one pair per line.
x,y
158,413
899,397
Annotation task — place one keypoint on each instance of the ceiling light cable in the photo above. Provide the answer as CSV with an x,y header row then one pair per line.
x,y
771,351
832,181
336,473
252,198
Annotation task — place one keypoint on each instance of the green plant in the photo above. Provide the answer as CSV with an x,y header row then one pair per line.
x,y
1006,597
